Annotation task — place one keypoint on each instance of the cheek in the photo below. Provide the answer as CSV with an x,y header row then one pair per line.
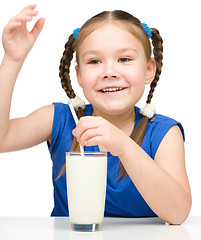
x,y
88,77
137,77
87,84
137,80
141,74
84,78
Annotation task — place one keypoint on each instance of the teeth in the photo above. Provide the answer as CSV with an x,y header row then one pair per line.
x,y
111,89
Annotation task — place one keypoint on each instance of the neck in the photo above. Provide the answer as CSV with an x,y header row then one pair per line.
x,y
124,121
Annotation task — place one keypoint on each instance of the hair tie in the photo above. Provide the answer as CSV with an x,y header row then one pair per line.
x,y
75,32
148,111
77,102
147,29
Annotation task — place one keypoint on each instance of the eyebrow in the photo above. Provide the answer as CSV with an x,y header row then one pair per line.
x,y
127,49
95,52
121,50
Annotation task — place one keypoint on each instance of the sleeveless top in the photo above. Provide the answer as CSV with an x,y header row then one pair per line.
x,y
122,197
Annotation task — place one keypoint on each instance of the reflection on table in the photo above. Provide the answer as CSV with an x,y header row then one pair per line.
x,y
42,228
123,228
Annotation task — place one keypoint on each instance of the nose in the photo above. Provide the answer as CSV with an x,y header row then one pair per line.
x,y
110,71
106,76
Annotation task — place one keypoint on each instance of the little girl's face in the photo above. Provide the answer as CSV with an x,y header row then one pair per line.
x,y
113,69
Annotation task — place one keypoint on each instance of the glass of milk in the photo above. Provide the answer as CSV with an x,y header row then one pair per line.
x,y
86,176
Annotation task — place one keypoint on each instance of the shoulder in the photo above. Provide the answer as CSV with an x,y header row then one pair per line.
x,y
63,122
161,124
157,128
60,107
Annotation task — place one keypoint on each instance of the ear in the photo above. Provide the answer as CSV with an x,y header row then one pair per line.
x,y
151,71
78,75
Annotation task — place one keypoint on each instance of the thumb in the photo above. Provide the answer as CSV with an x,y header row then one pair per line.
x,y
38,27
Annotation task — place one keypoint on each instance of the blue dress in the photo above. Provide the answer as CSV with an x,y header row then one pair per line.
x,y
122,197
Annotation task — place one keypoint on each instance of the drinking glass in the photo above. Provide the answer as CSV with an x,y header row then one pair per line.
x,y
86,176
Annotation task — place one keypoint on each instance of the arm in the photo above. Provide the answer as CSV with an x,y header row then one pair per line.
x,y
17,40
163,183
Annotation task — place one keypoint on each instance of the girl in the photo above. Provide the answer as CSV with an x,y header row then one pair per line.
x,y
146,163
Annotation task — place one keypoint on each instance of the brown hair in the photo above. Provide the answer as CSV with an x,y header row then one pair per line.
x,y
134,26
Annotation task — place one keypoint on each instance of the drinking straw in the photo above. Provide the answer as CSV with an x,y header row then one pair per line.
x,y
76,121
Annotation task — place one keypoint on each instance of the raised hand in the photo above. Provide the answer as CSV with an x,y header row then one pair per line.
x,y
17,40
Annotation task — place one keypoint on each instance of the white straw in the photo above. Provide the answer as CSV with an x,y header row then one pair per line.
x,y
76,121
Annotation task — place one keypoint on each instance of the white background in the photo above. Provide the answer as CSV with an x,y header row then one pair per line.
x,y
25,176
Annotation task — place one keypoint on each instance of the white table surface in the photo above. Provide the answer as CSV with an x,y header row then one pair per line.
x,y
42,228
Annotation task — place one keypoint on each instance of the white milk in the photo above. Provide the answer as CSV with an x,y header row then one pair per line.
x,y
86,188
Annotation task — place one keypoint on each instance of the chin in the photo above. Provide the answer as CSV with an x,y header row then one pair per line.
x,y
116,111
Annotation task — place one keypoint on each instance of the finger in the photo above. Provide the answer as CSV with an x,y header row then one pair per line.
x,y
11,26
30,12
17,21
27,11
97,140
25,16
14,23
89,134
84,124
38,27
90,121
31,6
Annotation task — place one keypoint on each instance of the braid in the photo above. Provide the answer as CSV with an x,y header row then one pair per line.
x,y
64,74
137,136
64,68
139,131
157,43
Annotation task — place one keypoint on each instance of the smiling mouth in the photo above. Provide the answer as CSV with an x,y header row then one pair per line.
x,y
112,89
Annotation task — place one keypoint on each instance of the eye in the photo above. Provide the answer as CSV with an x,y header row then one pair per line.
x,y
94,61
124,59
